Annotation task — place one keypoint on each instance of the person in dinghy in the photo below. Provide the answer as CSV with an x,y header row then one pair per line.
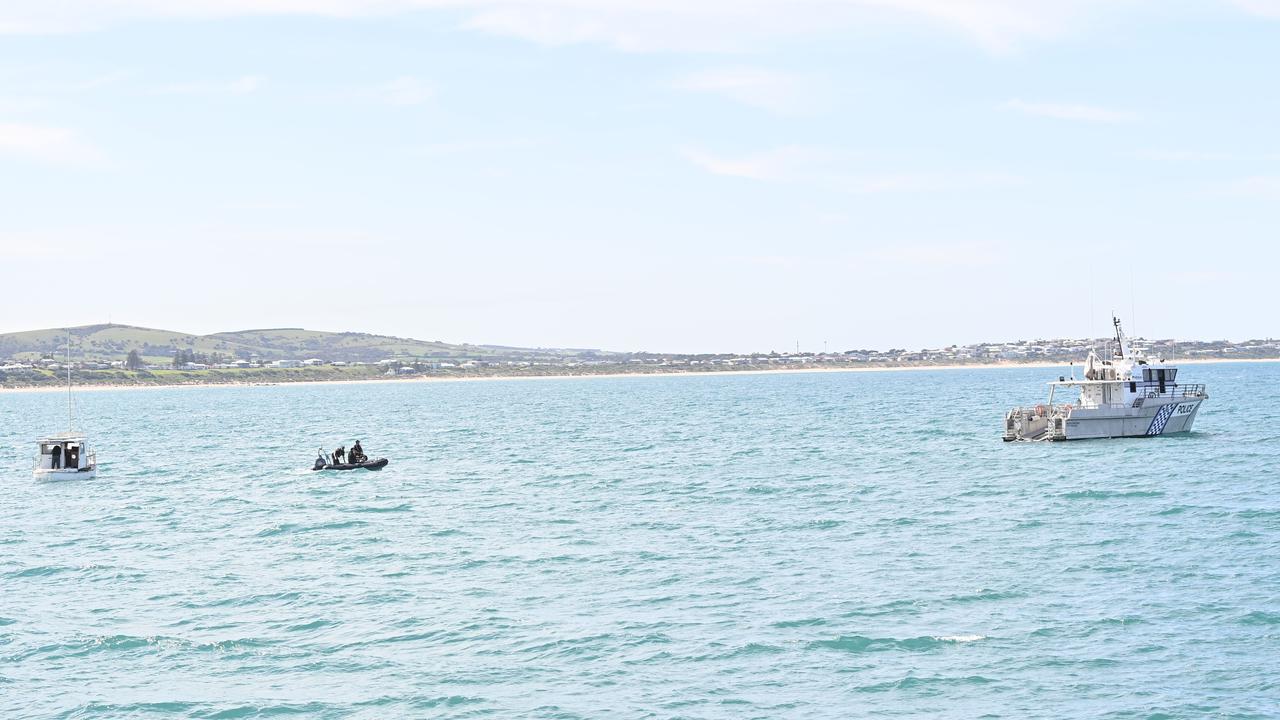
x,y
343,459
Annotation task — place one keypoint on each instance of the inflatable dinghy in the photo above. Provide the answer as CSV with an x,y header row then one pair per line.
x,y
367,465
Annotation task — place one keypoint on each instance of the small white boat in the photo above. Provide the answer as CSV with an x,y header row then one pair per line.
x,y
1127,396
66,456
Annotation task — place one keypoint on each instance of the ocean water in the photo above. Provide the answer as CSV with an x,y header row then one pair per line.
x,y
816,545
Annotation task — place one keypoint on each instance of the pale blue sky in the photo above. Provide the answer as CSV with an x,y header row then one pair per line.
x,y
660,175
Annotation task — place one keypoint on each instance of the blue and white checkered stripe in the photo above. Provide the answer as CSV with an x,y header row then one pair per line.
x,y
1162,418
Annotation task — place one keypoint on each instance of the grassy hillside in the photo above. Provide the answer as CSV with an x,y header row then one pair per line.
x,y
113,342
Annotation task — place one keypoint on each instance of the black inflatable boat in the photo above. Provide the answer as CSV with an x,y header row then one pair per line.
x,y
367,465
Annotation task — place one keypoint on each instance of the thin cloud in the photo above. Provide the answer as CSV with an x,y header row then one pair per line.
x,y
458,147
1181,156
930,182
14,105
963,255
783,164
1267,186
629,25
50,145
244,85
1065,111
814,166
778,92
404,91
1262,8
958,254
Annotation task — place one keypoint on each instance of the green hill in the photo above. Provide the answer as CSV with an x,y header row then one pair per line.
x,y
114,342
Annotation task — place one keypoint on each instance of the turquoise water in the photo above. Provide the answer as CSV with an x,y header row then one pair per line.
x,y
801,545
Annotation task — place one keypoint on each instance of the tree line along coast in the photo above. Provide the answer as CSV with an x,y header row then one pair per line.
x,y
122,355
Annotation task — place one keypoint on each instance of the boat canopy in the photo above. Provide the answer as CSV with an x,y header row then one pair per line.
x,y
64,438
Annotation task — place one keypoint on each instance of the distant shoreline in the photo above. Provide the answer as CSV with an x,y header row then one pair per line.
x,y
564,376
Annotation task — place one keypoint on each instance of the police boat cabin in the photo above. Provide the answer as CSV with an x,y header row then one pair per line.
x,y
1126,396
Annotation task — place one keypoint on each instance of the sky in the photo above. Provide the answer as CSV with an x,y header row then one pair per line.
x,y
660,175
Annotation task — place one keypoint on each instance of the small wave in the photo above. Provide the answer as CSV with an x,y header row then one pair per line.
x,y
445,701
99,709
313,625
825,524
569,647
863,644
38,571
1112,494
984,594
914,681
748,650
893,607
648,639
246,600
1259,617
263,711
342,525
402,507
292,528
960,638
126,643
278,529
806,622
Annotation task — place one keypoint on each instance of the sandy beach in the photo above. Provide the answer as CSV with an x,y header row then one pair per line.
x,y
674,373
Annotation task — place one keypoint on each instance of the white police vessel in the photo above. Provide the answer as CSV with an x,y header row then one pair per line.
x,y
1126,396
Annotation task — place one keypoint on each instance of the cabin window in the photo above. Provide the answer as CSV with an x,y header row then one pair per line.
x,y
1146,375
1133,386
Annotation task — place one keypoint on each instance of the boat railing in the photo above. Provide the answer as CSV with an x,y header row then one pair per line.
x,y
1196,390
1044,410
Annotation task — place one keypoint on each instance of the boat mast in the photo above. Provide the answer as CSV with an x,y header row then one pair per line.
x,y
1121,349
71,423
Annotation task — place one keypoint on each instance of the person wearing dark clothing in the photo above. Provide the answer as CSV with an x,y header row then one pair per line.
x,y
57,457
357,453
339,456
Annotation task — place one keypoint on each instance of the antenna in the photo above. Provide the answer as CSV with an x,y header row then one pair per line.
x,y
1093,339
1133,314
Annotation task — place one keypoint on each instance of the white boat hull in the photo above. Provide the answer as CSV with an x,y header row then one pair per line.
x,y
1153,418
45,475
1167,418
